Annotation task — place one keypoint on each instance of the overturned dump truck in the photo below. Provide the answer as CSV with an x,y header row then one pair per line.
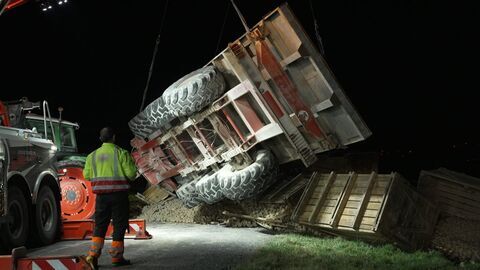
x,y
222,131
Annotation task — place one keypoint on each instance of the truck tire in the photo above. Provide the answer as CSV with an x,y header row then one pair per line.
x,y
251,180
141,126
157,114
188,194
208,187
47,217
194,91
15,234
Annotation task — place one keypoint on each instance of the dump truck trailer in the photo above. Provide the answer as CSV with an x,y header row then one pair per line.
x,y
222,131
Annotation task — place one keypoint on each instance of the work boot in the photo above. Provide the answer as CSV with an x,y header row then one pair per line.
x,y
92,261
116,251
121,262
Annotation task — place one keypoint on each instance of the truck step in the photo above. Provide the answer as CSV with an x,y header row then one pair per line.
x,y
304,150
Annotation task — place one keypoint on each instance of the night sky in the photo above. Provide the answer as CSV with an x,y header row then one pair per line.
x,y
409,67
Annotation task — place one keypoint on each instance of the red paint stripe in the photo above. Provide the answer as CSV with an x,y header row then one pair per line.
x,y
230,120
44,265
287,88
149,145
272,104
69,263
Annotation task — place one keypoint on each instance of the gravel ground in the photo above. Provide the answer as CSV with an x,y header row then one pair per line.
x,y
177,246
458,238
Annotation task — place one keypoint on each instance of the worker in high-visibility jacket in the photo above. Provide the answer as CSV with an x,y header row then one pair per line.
x,y
109,168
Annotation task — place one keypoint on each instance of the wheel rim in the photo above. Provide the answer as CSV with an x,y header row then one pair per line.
x,y
78,200
46,215
16,226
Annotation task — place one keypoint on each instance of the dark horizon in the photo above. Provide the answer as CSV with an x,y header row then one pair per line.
x,y
408,67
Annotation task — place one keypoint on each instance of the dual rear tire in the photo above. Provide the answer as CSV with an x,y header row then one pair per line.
x,y
46,217
230,183
15,230
42,223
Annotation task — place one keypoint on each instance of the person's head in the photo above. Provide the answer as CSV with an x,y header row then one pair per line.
x,y
107,135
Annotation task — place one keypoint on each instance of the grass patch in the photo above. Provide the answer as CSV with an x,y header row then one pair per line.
x,y
303,252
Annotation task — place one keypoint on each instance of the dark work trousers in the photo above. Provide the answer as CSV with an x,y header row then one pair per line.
x,y
113,206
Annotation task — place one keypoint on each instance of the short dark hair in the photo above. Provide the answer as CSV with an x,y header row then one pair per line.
x,y
107,134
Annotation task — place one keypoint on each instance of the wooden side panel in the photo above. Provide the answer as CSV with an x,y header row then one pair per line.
x,y
408,217
370,206
341,201
455,194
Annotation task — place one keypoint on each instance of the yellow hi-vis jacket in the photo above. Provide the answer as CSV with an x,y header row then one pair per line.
x,y
109,168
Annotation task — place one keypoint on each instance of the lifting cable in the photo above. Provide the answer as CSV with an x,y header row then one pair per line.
x,y
222,29
152,63
317,32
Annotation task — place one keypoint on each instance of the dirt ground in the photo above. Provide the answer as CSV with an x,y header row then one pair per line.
x,y
458,239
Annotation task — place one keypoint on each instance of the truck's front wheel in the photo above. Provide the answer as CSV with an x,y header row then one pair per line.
x,y
15,232
47,216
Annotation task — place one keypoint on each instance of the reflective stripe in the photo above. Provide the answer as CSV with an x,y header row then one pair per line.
x,y
108,178
110,183
115,162
57,265
93,254
97,245
116,251
95,249
106,184
112,187
35,266
94,161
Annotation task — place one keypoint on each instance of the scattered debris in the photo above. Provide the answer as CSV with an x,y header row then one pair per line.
x,y
458,238
457,196
155,194
172,210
